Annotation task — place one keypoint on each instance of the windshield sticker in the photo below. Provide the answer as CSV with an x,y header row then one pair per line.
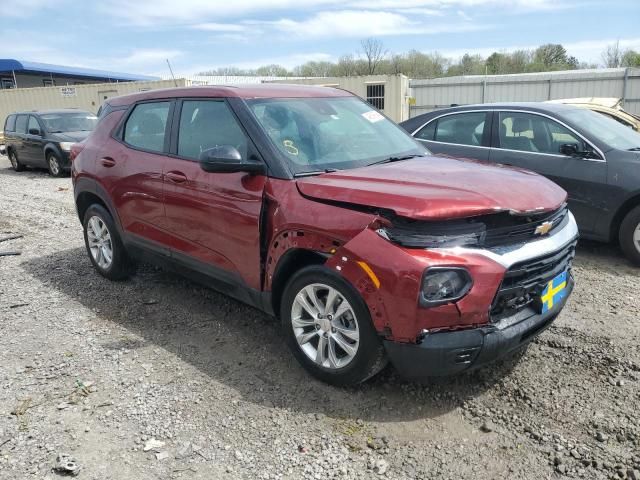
x,y
373,116
290,147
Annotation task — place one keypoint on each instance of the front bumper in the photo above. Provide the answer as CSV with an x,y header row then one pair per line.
x,y
448,353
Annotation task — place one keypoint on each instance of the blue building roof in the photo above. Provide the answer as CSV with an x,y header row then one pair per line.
x,y
9,64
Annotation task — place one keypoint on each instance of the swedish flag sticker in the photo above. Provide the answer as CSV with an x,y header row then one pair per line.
x,y
554,292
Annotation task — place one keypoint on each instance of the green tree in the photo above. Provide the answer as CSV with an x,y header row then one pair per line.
x,y
631,58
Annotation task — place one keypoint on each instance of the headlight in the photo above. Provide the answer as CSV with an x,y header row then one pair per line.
x,y
66,146
442,285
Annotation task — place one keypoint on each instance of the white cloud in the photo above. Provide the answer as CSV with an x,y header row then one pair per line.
x,y
146,57
219,27
359,24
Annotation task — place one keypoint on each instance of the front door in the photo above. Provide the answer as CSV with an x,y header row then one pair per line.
x,y
460,134
213,218
535,142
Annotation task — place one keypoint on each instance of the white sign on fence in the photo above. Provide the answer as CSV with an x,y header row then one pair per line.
x,y
68,91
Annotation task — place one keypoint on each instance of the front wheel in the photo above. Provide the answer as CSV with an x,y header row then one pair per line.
x,y
15,163
53,162
104,246
328,328
630,235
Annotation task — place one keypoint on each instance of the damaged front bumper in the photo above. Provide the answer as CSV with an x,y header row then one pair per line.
x,y
449,353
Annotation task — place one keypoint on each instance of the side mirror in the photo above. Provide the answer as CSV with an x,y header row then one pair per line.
x,y
569,149
227,159
34,131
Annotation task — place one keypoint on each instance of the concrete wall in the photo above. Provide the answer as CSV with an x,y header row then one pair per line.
x,y
396,90
437,93
85,97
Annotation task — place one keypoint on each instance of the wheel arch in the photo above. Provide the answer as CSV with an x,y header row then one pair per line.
x,y
50,147
622,212
288,264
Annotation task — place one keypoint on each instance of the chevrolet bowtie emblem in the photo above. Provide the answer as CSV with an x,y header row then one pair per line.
x,y
543,228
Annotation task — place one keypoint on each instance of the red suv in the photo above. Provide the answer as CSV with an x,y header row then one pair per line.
x,y
309,204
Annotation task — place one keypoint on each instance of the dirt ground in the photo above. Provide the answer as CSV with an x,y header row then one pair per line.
x,y
103,371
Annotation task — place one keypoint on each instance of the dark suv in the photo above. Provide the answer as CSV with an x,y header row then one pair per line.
x,y
44,138
309,204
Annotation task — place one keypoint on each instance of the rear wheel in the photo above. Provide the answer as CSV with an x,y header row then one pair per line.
x,y
629,235
328,327
15,163
53,162
104,246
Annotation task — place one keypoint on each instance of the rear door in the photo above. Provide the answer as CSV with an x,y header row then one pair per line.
x,y
33,144
213,218
131,170
459,134
533,141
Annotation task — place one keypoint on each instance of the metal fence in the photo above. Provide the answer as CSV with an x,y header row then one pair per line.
x,y
432,94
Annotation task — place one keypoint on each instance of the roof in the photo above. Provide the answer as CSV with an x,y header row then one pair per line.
x,y
236,91
610,102
52,111
10,64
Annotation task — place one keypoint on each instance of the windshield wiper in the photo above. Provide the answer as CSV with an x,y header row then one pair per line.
x,y
634,149
315,172
396,159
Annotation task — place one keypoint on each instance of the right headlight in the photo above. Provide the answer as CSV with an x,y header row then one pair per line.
x,y
442,285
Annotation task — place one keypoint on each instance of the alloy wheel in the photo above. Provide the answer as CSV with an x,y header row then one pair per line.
x,y
54,166
325,326
13,160
636,237
99,240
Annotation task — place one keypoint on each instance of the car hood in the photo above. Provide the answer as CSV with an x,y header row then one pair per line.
x,y
70,136
437,188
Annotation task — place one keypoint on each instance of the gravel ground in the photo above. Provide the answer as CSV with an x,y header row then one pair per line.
x,y
158,377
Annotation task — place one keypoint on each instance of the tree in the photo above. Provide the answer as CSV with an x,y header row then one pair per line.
x,y
612,55
631,58
272,70
374,52
346,66
496,63
551,55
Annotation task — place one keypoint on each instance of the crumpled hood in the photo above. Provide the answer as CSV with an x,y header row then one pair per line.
x,y
437,188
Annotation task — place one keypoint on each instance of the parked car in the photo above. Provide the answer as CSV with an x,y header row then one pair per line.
x,y
595,159
44,138
610,107
309,204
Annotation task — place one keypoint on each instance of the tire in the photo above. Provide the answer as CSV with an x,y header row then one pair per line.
x,y
53,164
351,351
629,235
15,163
119,266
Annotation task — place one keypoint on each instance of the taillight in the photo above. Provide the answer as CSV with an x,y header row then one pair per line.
x,y
76,148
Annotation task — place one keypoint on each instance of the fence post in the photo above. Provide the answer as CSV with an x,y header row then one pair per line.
x,y
624,85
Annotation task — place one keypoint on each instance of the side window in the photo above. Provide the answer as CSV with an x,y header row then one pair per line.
x,y
461,128
533,133
33,124
205,124
146,126
21,123
427,132
10,123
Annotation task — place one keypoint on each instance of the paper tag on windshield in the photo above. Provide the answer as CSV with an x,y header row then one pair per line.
x,y
373,116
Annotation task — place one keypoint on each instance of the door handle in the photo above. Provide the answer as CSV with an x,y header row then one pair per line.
x,y
176,177
108,162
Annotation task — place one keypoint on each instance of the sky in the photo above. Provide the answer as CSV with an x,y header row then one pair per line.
x,y
137,36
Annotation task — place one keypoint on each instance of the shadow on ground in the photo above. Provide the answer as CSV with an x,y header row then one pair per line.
x,y
241,347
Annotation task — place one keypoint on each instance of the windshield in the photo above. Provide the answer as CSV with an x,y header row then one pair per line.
x,y
69,122
608,131
316,134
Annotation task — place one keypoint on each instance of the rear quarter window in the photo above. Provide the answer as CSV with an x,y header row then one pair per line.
x,y
10,123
